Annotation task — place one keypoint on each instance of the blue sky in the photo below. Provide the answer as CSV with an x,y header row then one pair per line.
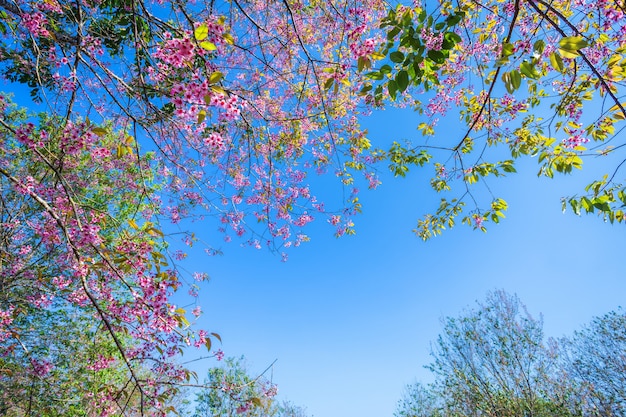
x,y
350,320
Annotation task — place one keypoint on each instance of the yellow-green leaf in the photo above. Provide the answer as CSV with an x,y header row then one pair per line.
x,y
209,46
154,232
569,46
568,54
557,62
573,43
99,131
201,32
215,77
228,38
529,70
121,150
201,116
216,89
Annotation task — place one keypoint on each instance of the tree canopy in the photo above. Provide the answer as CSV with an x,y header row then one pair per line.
x,y
241,394
539,79
494,361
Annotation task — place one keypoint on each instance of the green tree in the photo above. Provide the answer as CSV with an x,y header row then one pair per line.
x,y
493,361
234,392
596,360
69,332
420,401
57,370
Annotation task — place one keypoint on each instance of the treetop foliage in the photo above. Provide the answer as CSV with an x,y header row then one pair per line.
x,y
494,361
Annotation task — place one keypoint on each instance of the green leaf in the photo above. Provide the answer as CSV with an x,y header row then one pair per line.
x,y
575,206
452,37
573,43
393,32
375,75
402,79
99,131
366,88
529,70
516,79
437,56
392,87
506,78
557,62
454,19
396,57
363,63
507,49
512,80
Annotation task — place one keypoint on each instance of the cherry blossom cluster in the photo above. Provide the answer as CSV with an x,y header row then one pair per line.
x,y
358,46
6,318
432,40
35,23
575,139
247,130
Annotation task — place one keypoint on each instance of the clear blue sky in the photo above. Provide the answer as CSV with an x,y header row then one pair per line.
x,y
350,321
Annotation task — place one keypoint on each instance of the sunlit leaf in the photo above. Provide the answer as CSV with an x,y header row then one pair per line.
x,y
557,62
209,46
201,32
215,77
